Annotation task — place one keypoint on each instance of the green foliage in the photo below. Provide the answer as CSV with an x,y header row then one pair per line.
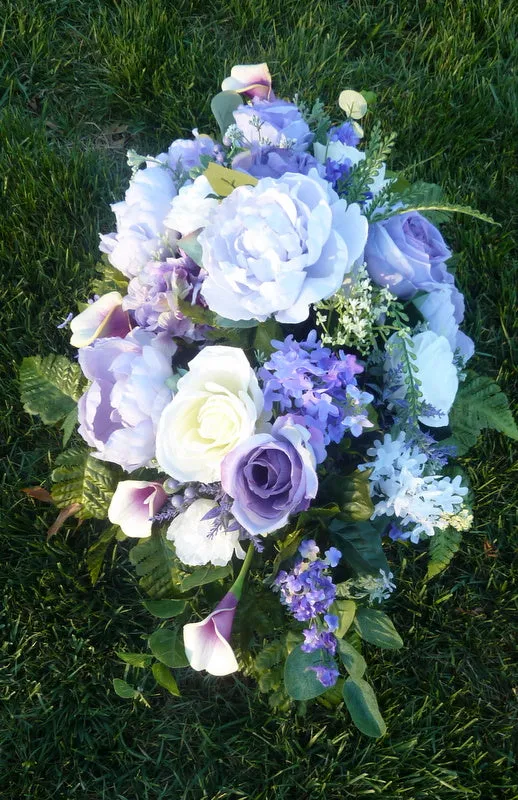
x,y
442,547
109,280
164,678
352,659
351,494
357,183
480,403
124,689
167,646
363,707
377,628
78,477
222,106
139,660
300,681
345,611
165,609
50,387
96,553
360,545
155,563
203,575
192,248
268,669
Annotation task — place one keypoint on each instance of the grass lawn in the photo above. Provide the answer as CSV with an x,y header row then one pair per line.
x,y
80,82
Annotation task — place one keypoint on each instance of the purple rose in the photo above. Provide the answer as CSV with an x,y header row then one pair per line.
x,y
273,162
406,253
276,123
119,412
270,477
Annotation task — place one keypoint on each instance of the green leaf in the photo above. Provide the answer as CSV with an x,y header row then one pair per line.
x,y
223,106
109,280
50,386
352,660
345,611
191,247
81,478
377,628
448,208
360,545
124,689
363,707
164,678
167,646
69,423
164,609
480,403
443,546
288,548
300,681
156,565
96,553
264,334
203,575
198,314
139,660
351,494
240,324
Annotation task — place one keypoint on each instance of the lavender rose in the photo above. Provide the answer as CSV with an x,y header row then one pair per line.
x,y
276,123
406,253
279,246
119,412
270,477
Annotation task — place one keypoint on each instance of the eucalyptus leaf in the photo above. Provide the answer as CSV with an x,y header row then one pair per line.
x,y
164,678
345,611
191,247
377,628
204,575
223,322
136,659
167,646
124,689
352,660
300,680
363,707
223,106
165,609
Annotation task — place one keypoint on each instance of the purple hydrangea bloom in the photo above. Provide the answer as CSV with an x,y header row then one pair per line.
x,y
185,154
326,675
406,254
308,590
119,412
319,386
272,162
335,171
316,638
153,296
276,123
345,133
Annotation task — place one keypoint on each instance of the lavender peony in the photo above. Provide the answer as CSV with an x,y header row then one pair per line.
x,y
270,477
276,123
119,412
279,246
406,254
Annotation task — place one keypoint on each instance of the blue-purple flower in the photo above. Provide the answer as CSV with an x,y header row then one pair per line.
x,y
276,123
271,476
273,162
407,254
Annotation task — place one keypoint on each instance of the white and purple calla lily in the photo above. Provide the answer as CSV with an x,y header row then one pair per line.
x,y
133,506
207,642
100,320
253,80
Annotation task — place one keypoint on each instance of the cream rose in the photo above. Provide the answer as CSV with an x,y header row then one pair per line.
x,y
216,407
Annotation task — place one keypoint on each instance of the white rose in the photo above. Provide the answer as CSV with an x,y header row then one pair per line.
x,y
194,541
192,208
216,407
435,370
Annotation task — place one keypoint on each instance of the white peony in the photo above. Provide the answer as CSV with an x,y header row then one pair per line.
x,y
216,407
192,208
194,541
435,370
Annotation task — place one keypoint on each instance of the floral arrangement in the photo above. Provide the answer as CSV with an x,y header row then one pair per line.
x,y
270,393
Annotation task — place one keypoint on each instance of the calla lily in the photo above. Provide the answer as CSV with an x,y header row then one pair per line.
x,y
100,320
251,79
133,506
207,643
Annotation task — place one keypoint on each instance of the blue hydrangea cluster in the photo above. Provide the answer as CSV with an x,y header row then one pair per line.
x,y
308,592
335,171
318,387
345,133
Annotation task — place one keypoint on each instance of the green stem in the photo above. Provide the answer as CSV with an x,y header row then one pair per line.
x,y
237,586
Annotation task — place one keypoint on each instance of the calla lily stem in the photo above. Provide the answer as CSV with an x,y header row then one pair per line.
x,y
237,586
